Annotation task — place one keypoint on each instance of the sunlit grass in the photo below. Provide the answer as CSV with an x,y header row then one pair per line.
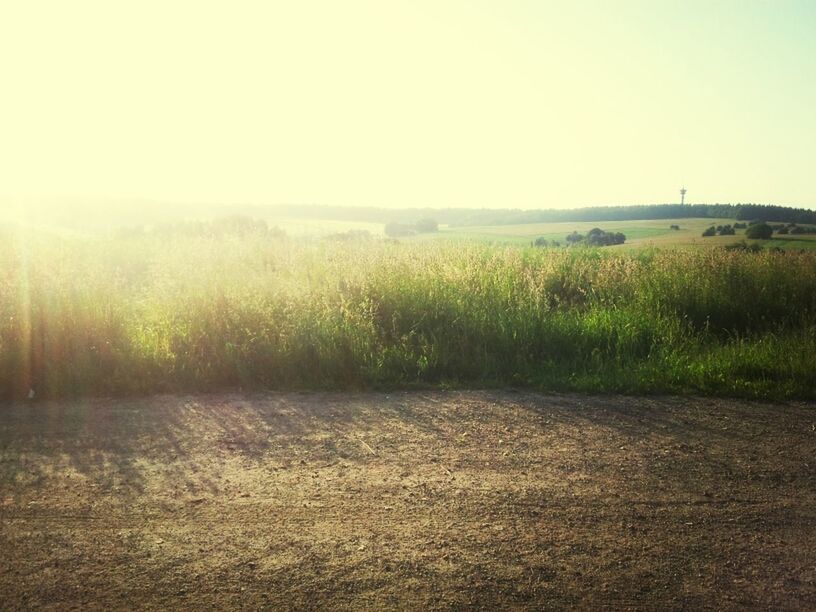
x,y
148,315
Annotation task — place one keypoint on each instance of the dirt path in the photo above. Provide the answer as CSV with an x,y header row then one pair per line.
x,y
408,500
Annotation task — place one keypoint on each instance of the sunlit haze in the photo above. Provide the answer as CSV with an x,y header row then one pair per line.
x,y
395,103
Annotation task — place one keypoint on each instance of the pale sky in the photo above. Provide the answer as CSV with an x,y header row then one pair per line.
x,y
504,103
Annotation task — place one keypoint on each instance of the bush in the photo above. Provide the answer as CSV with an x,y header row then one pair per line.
x,y
759,231
425,226
743,246
782,230
541,242
711,231
674,227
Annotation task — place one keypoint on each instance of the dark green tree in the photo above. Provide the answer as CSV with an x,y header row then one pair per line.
x,y
760,231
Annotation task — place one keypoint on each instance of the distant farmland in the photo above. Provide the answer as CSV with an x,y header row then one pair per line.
x,y
643,233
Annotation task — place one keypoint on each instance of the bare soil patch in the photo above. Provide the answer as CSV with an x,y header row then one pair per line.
x,y
408,500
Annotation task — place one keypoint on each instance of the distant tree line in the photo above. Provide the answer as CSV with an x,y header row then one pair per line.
x,y
470,216
766,212
135,213
739,212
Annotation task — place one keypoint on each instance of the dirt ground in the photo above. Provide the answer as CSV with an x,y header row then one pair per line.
x,y
429,500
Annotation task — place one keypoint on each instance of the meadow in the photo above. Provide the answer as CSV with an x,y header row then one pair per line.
x,y
85,316
641,234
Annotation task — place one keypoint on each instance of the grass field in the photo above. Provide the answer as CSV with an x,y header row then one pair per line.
x,y
153,314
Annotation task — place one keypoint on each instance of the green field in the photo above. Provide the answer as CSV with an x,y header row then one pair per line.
x,y
647,233
178,313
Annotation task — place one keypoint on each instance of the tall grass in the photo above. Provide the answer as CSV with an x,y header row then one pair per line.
x,y
176,314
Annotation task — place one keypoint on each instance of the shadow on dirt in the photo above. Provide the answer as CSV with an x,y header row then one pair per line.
x,y
118,445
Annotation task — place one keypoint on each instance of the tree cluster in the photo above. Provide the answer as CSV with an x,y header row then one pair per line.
x,y
596,237
721,230
792,228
